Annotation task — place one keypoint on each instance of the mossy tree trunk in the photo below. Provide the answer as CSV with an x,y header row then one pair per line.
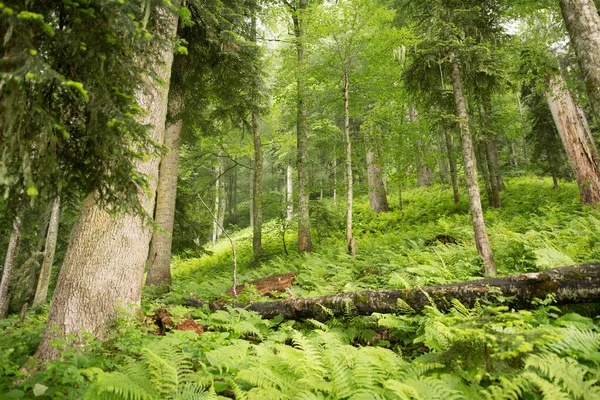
x,y
104,263
568,285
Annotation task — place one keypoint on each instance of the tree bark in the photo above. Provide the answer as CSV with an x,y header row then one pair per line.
x,y
304,240
159,262
442,158
481,238
257,195
583,24
9,263
377,194
104,263
453,169
251,195
569,285
41,292
577,142
350,241
216,231
290,192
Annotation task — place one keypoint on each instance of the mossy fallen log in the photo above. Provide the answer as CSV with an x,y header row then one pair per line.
x,y
569,285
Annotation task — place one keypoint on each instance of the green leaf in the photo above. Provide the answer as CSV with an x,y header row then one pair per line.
x,y
32,191
39,389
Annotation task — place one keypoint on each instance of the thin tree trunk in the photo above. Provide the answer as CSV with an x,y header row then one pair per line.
x,y
30,270
9,263
257,195
424,174
453,168
443,158
350,241
251,200
216,231
290,192
583,24
377,194
482,164
481,238
495,179
575,139
553,168
104,263
159,263
41,292
304,240
569,285
335,182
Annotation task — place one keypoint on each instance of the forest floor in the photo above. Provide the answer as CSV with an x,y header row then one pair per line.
x,y
490,351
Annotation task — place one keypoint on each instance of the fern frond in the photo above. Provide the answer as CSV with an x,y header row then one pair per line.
x,y
549,390
120,386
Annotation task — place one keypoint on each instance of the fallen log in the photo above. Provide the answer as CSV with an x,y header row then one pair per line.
x,y
268,285
569,285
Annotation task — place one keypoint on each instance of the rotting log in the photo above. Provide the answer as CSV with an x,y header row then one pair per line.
x,y
268,285
569,285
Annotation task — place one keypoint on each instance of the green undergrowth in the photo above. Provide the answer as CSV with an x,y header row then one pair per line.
x,y
537,228
490,351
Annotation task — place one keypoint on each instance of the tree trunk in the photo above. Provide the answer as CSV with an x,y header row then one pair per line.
x,y
251,195
553,168
41,292
257,195
442,158
104,263
569,285
424,173
9,263
290,192
377,193
575,139
159,263
350,241
304,240
453,168
481,238
583,24
216,231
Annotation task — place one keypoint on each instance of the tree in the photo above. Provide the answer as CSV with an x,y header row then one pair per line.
x,y
9,262
159,262
583,23
104,264
41,292
577,139
298,11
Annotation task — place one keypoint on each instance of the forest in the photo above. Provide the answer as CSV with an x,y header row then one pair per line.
x,y
300,199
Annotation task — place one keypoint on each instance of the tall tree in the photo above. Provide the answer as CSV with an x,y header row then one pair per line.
x,y
481,238
257,186
9,263
104,263
298,11
583,23
577,140
159,262
41,292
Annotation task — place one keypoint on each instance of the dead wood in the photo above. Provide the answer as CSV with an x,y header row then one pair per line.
x,y
569,285
268,285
